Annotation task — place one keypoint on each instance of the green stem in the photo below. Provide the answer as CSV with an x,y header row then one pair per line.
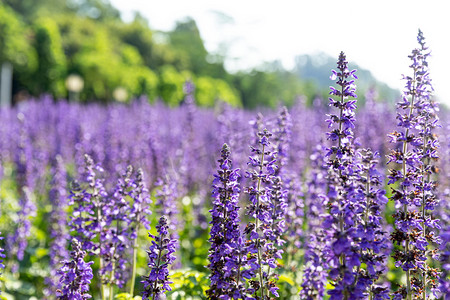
x,y
261,280
99,215
133,274
111,287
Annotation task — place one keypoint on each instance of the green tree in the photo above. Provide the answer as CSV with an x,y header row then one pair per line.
x,y
171,83
52,69
188,44
137,79
15,47
139,35
210,90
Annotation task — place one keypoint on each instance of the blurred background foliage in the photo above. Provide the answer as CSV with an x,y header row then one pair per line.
x,y
48,40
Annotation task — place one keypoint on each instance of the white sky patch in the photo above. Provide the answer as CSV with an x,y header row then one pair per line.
x,y
377,35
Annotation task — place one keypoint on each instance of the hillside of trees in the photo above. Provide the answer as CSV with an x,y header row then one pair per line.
x,y
48,40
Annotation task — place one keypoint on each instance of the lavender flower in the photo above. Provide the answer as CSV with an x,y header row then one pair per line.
x,y
264,208
282,138
2,256
160,254
76,275
58,220
17,241
314,275
139,212
415,230
225,262
166,202
444,214
115,236
23,156
342,249
373,242
88,218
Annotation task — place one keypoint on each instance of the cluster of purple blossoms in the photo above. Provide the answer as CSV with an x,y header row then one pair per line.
x,y
57,220
291,206
87,219
160,256
107,225
374,246
353,233
2,256
226,261
76,275
314,274
138,216
115,235
415,197
140,208
444,215
341,250
282,138
25,178
266,202
166,203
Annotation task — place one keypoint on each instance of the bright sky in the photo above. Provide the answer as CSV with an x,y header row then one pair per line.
x,y
377,35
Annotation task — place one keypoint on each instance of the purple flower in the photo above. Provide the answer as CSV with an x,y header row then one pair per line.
x,y
26,181
315,275
341,247
415,175
2,256
115,236
160,256
226,259
87,219
139,211
166,203
76,275
350,231
267,205
58,222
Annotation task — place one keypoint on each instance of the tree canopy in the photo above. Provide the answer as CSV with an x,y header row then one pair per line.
x,y
48,40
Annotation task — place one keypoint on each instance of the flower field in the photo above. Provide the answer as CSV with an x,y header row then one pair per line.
x,y
123,201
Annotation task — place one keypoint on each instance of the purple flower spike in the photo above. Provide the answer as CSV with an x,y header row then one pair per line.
x,y
2,256
267,206
58,222
160,256
225,258
76,275
415,175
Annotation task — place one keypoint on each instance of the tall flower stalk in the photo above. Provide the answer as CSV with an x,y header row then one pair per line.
x,y
2,256
314,274
57,220
17,241
88,220
373,242
227,280
415,195
76,275
140,210
160,256
342,200
116,233
263,210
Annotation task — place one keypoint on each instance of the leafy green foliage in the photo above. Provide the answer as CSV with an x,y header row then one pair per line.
x,y
188,284
87,37
52,67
